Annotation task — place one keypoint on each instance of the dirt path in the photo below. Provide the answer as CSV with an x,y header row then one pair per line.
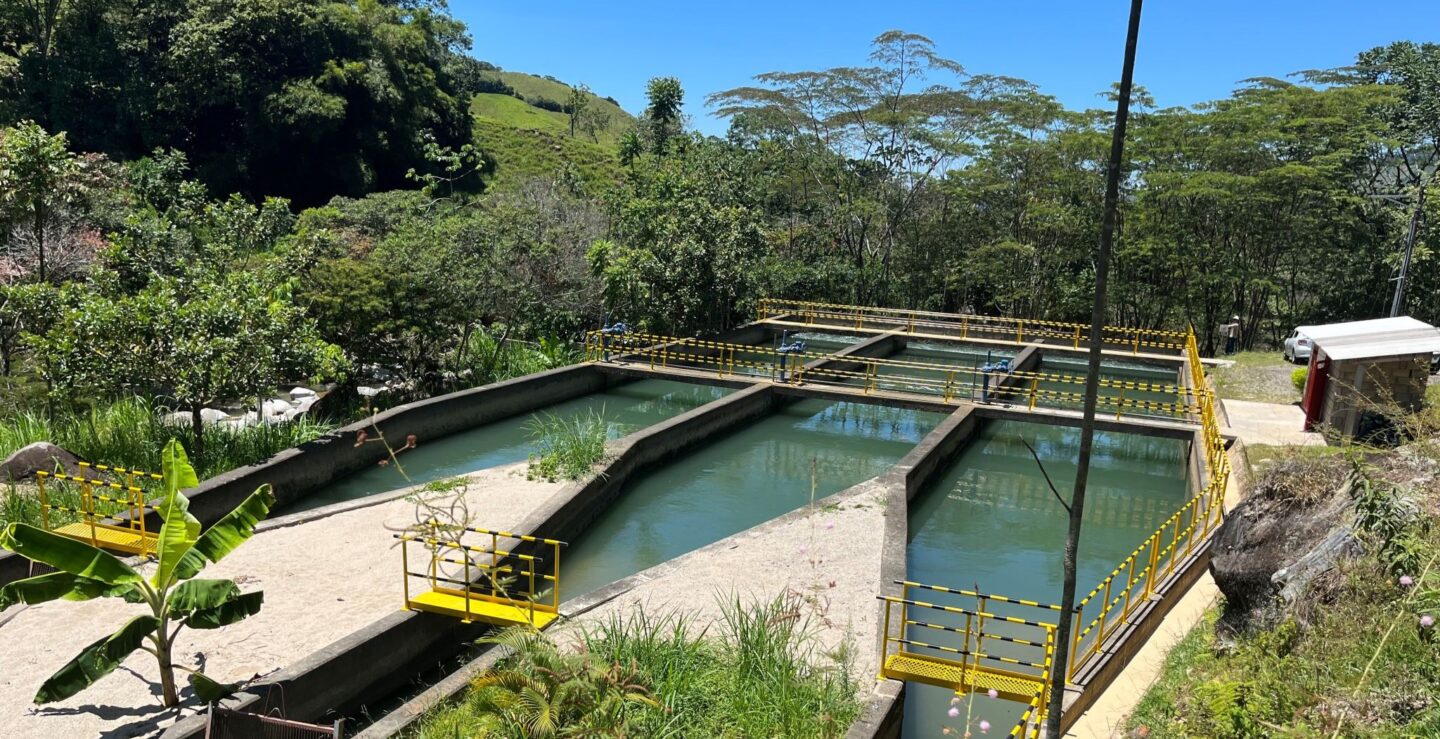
x,y
322,580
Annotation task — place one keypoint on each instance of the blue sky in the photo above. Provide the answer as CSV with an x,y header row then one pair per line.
x,y
1190,50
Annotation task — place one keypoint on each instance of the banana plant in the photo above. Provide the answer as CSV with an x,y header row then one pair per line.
x,y
173,597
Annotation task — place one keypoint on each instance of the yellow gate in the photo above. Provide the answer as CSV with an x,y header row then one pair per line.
x,y
473,579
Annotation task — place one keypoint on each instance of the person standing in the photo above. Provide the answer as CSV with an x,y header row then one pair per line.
x,y
1232,334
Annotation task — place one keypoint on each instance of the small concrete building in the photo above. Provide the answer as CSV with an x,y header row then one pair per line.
x,y
1361,367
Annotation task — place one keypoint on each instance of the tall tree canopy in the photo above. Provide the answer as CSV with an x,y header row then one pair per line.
x,y
302,99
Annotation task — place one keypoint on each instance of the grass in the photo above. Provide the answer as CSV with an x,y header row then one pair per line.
x,y
533,87
568,446
760,676
1361,664
1262,376
130,433
522,154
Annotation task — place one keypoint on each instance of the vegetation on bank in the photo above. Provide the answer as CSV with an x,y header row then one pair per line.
x,y
567,447
758,673
132,432
1358,655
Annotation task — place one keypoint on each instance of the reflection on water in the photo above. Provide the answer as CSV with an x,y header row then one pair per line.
x,y
990,521
739,480
625,408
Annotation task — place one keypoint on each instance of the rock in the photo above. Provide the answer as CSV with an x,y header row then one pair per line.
x,y
212,415
302,405
177,418
275,407
42,455
290,414
1272,547
366,391
301,392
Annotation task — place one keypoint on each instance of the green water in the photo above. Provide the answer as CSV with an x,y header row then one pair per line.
x,y
1110,369
959,356
990,521
739,480
625,407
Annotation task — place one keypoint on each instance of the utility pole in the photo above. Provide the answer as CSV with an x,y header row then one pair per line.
x,y
1399,301
1092,380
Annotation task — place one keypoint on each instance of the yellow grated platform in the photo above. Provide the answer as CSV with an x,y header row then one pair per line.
x,y
491,610
117,538
961,678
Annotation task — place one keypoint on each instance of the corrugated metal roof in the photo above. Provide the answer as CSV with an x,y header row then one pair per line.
x,y
1380,337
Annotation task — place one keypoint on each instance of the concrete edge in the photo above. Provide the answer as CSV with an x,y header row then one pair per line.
x,y
376,660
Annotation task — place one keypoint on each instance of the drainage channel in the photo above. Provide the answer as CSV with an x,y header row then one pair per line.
x,y
625,408
739,480
991,523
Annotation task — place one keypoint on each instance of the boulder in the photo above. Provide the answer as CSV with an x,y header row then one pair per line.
x,y
42,455
212,415
276,407
303,404
1272,547
301,392
177,418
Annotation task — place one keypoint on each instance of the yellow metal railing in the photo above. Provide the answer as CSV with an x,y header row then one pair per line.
x,y
98,513
972,665
1110,604
477,582
1138,576
967,326
950,382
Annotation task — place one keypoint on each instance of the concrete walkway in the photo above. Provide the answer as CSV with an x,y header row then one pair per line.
x,y
1269,423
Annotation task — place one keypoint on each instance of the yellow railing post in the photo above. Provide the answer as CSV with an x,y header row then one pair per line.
x,y
405,570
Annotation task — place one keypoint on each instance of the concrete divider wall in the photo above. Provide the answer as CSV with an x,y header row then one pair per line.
x,y
883,712
374,662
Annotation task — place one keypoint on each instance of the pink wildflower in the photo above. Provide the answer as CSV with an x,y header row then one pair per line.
x,y
993,693
1427,621
984,726
953,712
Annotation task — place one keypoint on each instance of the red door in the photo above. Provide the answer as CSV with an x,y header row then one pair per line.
x,y
1313,400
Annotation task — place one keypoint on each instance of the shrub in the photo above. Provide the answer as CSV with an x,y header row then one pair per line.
x,y
568,446
1298,376
649,676
130,433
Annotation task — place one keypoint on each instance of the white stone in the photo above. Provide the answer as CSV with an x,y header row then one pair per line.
x,y
212,415
369,392
305,403
301,392
178,418
275,407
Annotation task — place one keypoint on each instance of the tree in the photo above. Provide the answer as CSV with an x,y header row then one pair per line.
x,y
869,142
686,242
1076,507
38,178
198,341
300,99
662,116
171,594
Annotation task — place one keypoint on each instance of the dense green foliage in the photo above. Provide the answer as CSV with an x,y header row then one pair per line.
x,y
297,98
759,676
906,181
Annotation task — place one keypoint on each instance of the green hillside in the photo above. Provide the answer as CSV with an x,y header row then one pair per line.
x,y
534,88
526,141
525,152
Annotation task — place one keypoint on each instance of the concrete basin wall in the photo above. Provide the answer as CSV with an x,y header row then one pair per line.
x,y
376,661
